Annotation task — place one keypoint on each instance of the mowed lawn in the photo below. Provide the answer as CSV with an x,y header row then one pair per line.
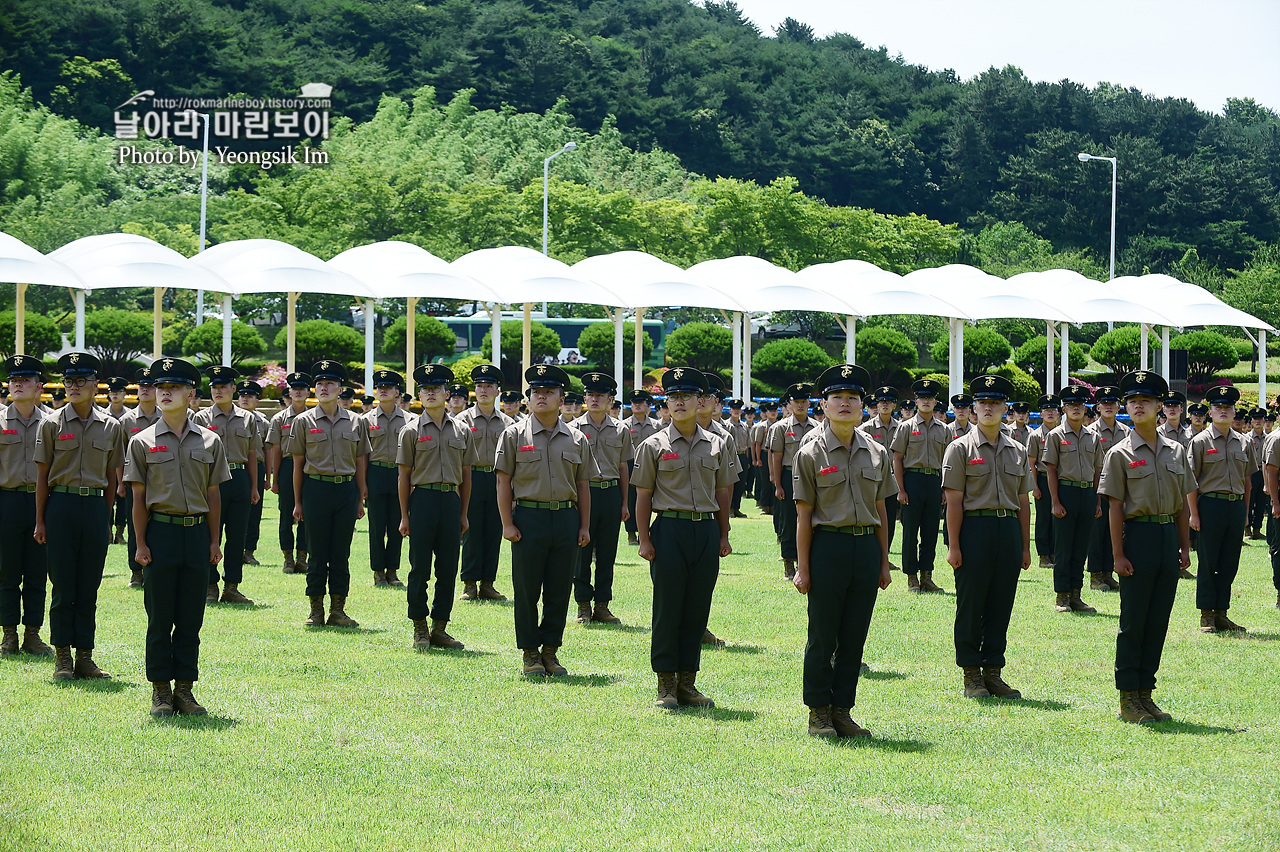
x,y
332,739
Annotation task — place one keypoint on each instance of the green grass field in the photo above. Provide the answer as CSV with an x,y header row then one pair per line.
x,y
336,739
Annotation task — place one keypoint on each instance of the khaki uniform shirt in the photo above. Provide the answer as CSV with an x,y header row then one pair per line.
x,y
843,484
279,428
990,476
610,445
545,465
640,428
135,420
1035,447
717,428
79,453
785,436
178,472
1020,433
1108,437
329,447
437,454
1222,464
1149,480
263,425
18,447
1271,450
384,432
236,428
1177,434
1077,455
683,473
107,410
485,432
883,435
741,432
955,431
921,444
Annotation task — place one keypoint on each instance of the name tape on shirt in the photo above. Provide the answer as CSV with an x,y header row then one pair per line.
x,y
977,461
10,431
66,437
1138,463
827,470
528,448
316,431
424,437
671,455
1211,450
159,449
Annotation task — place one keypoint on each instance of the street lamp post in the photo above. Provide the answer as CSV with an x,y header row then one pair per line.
x,y
1084,158
546,171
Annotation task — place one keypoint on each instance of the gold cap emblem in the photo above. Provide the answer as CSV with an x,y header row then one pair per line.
x,y
990,381
324,365
1140,378
678,372
167,363
542,369
846,371
75,358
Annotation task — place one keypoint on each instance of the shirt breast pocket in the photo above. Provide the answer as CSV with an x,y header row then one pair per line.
x,y
670,464
457,444
836,477
62,445
202,457
103,445
161,457
15,438
1142,471
572,457
979,471
528,456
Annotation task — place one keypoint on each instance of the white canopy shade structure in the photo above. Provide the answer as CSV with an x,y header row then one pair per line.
x,y
646,281
106,261
521,275
1188,305
1085,300
23,265
873,292
400,270
980,296
270,266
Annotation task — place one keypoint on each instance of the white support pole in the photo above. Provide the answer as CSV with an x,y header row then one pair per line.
x,y
157,320
1065,367
291,335
1143,359
638,350
526,343
618,315
1262,367
850,343
746,357
410,339
736,384
495,333
370,320
20,319
1048,357
1164,352
226,329
79,295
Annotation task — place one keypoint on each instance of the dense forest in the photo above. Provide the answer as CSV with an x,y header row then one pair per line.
x,y
854,125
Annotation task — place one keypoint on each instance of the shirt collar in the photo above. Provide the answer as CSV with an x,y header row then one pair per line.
x,y
831,442
673,434
537,426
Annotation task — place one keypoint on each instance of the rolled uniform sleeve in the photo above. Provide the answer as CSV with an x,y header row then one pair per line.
x,y
504,457
803,478
727,469
220,470
135,461
645,473
1112,483
405,443
954,467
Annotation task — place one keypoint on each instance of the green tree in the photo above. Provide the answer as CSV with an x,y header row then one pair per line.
x,y
1120,349
205,341
1025,387
783,362
596,343
432,339
543,341
1030,356
885,353
701,345
983,349
317,340
1207,353
41,335
117,337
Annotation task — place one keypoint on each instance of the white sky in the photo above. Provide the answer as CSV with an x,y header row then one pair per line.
x,y
1205,50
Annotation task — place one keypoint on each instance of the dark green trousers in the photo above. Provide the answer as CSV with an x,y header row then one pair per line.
x,y
255,512
286,508
79,533
1222,524
606,522
384,518
131,535
764,488
482,542
542,564
986,584
1044,517
435,537
1146,601
330,509
1072,536
234,522
631,500
24,567
920,519
784,516
684,570
844,573
1101,561
173,588
740,485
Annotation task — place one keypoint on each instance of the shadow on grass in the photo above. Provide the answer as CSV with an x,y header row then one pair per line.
x,y
99,684
716,714
233,607
736,649
342,631
881,744
1031,703
453,652
576,679
1111,615
1176,727
207,722
1261,637
873,674
617,628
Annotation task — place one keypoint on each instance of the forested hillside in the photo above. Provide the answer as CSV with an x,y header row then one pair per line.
x,y
854,126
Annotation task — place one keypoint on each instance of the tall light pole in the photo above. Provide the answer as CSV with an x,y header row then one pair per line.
x,y
546,171
204,202
1084,158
